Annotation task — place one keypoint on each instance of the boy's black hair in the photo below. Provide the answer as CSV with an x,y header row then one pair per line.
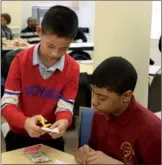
x,y
116,74
60,21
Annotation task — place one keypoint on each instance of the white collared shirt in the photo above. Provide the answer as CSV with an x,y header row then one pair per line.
x,y
47,72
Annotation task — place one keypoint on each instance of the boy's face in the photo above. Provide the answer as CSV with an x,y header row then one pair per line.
x,y
32,23
53,47
3,21
106,102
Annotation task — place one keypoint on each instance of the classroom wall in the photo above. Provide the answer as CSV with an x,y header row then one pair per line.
x,y
14,8
86,14
156,20
122,31
84,9
21,10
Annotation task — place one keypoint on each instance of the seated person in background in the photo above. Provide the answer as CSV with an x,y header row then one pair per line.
x,y
5,30
43,81
151,62
30,33
123,131
80,36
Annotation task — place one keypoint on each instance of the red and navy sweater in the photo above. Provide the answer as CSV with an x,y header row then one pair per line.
x,y
27,94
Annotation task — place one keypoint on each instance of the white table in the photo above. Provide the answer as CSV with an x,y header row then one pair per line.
x,y
82,46
158,114
18,157
153,69
89,46
86,66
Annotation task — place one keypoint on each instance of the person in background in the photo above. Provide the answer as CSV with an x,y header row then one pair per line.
x,y
43,82
30,33
80,36
123,131
5,30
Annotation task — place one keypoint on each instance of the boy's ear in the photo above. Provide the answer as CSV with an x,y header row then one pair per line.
x,y
127,96
39,30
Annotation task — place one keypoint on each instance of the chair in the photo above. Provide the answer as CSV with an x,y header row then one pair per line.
x,y
80,55
80,36
83,98
7,60
86,115
154,103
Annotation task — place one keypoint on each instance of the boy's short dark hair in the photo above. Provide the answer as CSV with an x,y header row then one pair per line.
x,y
7,17
61,21
116,74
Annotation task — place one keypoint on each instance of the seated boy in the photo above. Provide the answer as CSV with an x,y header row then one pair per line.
x,y
123,131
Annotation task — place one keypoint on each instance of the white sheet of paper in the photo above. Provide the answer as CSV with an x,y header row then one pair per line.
x,y
56,130
86,62
59,162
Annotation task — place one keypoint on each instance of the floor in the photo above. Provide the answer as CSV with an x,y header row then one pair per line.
x,y
71,140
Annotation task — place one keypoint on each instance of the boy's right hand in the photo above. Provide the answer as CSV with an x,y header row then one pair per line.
x,y
32,128
82,153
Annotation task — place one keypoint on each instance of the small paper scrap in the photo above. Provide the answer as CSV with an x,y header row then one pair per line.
x,y
56,130
59,162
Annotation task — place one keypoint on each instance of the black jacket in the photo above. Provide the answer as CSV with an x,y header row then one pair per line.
x,y
6,62
30,34
80,36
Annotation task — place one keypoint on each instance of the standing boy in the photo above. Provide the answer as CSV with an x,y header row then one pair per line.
x,y
43,80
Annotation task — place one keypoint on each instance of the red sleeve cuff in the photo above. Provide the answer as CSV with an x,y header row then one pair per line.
x,y
64,115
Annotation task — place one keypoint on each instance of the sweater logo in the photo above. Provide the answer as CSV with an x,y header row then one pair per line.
x,y
44,92
127,152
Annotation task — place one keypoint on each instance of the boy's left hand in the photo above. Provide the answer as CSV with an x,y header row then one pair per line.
x,y
62,126
98,157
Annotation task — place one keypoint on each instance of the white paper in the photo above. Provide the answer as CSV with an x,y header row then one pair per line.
x,y
59,162
86,61
56,130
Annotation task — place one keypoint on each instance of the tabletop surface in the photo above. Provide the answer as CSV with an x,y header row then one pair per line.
x,y
72,45
153,69
18,157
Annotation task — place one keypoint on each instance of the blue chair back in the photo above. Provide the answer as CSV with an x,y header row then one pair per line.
x,y
86,115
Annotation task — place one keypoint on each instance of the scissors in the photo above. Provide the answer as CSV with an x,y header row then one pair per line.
x,y
42,121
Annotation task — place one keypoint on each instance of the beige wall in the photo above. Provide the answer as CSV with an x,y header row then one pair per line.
x,y
14,8
121,30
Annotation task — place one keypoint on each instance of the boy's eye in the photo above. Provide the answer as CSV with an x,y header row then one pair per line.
x,y
102,99
50,46
63,49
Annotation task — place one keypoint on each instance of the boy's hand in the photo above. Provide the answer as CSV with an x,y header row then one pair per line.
x,y
32,128
81,154
98,157
62,126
